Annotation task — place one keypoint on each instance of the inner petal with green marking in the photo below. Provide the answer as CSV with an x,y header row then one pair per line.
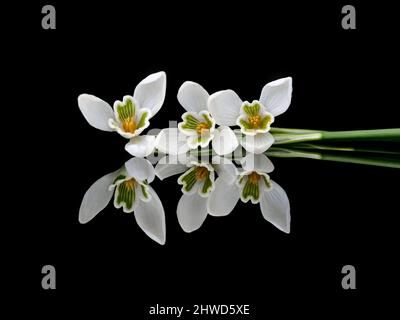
x,y
193,123
199,127
126,113
254,118
131,119
125,195
252,185
200,176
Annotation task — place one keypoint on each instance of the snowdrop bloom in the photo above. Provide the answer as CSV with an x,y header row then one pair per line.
x,y
255,118
131,115
253,184
198,183
198,127
132,193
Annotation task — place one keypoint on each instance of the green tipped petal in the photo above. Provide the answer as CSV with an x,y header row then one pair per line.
x,y
126,110
252,109
188,179
125,195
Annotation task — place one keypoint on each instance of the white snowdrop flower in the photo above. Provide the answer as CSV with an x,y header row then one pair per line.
x,y
198,183
198,127
132,192
253,183
255,118
131,115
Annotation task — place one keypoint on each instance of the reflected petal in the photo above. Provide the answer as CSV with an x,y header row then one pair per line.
x,y
223,199
275,207
191,211
150,217
97,197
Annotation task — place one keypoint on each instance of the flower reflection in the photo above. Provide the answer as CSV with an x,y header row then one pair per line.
x,y
203,194
132,193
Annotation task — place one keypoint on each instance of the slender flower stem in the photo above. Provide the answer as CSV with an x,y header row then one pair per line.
x,y
285,136
348,158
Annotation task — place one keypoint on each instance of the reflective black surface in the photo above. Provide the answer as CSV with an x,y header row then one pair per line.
x,y
341,213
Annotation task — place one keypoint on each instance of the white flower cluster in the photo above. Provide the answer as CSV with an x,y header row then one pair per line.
x,y
210,186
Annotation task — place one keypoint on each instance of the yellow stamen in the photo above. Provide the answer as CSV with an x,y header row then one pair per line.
x,y
254,177
255,121
130,184
202,127
201,173
129,125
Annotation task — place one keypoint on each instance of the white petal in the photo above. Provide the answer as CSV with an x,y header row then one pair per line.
x,y
141,146
150,217
96,111
225,169
192,96
276,95
275,207
97,197
224,107
140,169
257,162
191,211
150,92
224,141
171,141
169,166
258,143
223,199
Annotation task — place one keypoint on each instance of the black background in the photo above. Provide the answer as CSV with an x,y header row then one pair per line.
x,y
341,213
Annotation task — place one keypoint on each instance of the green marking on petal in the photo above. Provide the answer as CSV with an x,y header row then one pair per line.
x,y
126,114
126,110
207,184
251,189
252,109
125,194
189,122
265,122
188,179
120,177
144,191
245,124
142,119
208,120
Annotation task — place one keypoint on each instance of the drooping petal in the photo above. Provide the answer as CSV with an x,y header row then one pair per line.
x,y
96,197
169,166
191,211
140,169
141,146
224,107
223,199
275,207
276,95
224,141
96,111
258,143
171,141
225,169
150,217
192,96
257,162
150,92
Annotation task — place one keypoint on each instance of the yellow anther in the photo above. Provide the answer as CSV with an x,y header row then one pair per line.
x,y
129,125
254,177
255,121
130,184
202,127
201,173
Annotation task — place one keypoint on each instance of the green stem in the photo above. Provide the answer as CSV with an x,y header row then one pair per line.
x,y
285,136
366,160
